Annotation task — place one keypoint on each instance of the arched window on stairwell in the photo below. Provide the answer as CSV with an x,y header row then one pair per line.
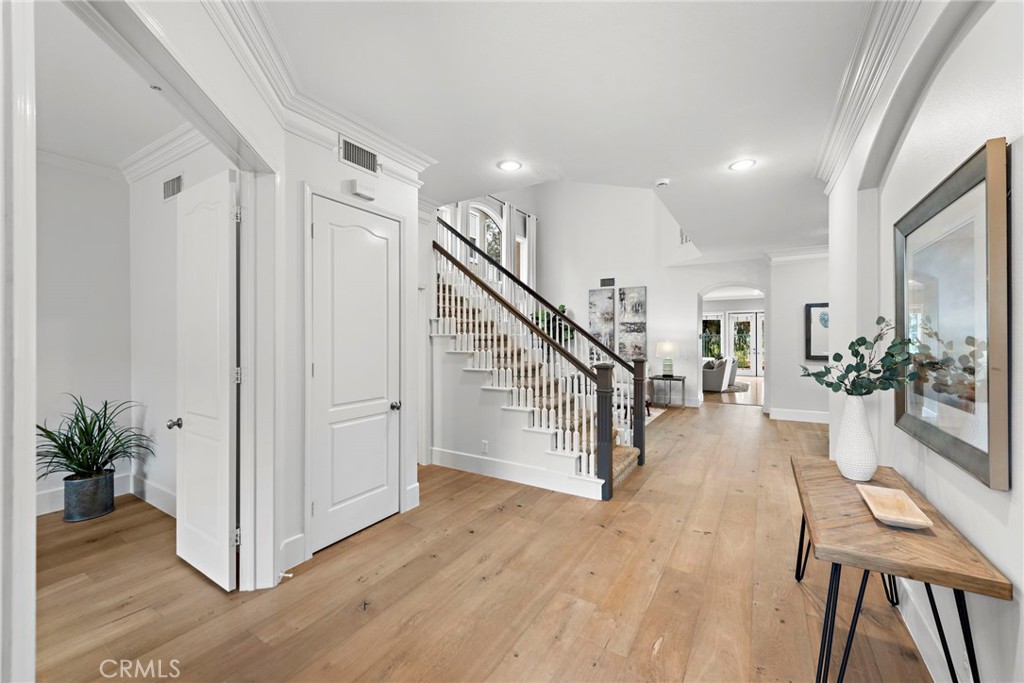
x,y
486,233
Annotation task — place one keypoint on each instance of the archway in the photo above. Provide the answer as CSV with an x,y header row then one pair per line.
x,y
732,319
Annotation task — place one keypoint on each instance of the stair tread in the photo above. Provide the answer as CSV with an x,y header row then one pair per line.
x,y
623,460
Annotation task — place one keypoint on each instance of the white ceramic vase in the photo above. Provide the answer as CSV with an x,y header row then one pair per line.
x,y
855,449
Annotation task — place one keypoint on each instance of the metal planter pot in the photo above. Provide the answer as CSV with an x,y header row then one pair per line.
x,y
88,498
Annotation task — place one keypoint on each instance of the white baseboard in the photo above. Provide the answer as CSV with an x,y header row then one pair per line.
x,y
817,416
693,402
52,500
293,552
522,474
158,496
411,498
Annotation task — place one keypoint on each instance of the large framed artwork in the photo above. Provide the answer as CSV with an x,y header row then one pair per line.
x,y
816,331
632,314
601,315
952,295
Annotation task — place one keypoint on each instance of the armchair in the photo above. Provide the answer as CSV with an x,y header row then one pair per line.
x,y
719,377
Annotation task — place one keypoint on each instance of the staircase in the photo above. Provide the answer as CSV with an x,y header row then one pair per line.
x,y
522,392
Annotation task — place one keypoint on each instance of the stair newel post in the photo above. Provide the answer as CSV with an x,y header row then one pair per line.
x,y
639,406
605,390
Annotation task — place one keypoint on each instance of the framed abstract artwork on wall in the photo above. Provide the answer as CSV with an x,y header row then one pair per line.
x,y
952,297
601,315
816,331
632,315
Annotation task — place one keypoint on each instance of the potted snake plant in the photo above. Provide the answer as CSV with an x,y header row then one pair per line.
x,y
87,444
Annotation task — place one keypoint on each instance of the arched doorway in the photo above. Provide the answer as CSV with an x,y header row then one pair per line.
x,y
733,333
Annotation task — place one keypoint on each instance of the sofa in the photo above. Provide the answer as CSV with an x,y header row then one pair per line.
x,y
720,376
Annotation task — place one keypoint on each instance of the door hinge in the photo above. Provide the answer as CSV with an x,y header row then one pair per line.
x,y
238,214
237,374
312,369
238,536
312,508
312,230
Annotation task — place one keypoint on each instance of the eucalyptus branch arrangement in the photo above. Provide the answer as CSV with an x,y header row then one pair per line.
x,y
868,370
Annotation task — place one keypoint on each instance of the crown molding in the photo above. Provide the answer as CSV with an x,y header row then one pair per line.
x,y
50,158
797,255
258,49
165,150
392,172
881,35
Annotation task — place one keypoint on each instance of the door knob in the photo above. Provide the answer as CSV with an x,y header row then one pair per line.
x,y
171,424
396,405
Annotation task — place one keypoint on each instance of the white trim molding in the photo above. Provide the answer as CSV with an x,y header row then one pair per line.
x,y
251,37
165,150
885,25
816,416
160,497
52,500
58,160
797,255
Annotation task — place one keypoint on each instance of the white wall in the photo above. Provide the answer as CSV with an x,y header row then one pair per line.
x,y
794,284
83,341
978,94
587,232
154,317
975,94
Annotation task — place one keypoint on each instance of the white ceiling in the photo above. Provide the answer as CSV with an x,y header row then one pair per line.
x,y
615,93
91,105
733,293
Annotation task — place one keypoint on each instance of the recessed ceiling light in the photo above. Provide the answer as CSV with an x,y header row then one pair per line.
x,y
155,87
742,165
510,165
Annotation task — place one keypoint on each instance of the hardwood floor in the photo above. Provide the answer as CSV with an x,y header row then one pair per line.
x,y
752,397
687,575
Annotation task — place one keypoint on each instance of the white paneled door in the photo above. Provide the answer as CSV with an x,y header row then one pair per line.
x,y
207,396
354,372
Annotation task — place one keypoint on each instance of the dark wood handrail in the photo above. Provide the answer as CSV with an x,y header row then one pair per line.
x,y
588,372
554,309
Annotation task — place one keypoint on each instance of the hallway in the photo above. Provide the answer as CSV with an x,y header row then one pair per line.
x,y
686,575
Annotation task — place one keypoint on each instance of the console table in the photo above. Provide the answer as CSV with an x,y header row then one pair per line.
x,y
672,378
843,532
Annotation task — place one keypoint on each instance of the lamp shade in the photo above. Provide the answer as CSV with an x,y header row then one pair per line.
x,y
666,349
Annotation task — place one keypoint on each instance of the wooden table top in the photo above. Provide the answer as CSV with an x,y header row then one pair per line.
x,y
843,530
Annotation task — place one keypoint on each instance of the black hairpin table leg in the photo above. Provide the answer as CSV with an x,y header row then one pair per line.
x,y
853,625
801,566
829,624
965,625
891,591
942,633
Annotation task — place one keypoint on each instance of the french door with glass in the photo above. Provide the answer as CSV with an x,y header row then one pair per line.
x,y
746,342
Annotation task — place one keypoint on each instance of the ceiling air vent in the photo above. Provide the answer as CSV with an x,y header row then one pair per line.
x,y
359,156
172,187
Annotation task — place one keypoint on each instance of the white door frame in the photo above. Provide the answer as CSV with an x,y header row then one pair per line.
x,y
17,342
407,438
131,35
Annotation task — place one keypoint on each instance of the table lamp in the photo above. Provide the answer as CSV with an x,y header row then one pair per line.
x,y
667,350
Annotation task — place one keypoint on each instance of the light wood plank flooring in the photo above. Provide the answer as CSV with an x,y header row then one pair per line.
x,y
687,575
752,397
